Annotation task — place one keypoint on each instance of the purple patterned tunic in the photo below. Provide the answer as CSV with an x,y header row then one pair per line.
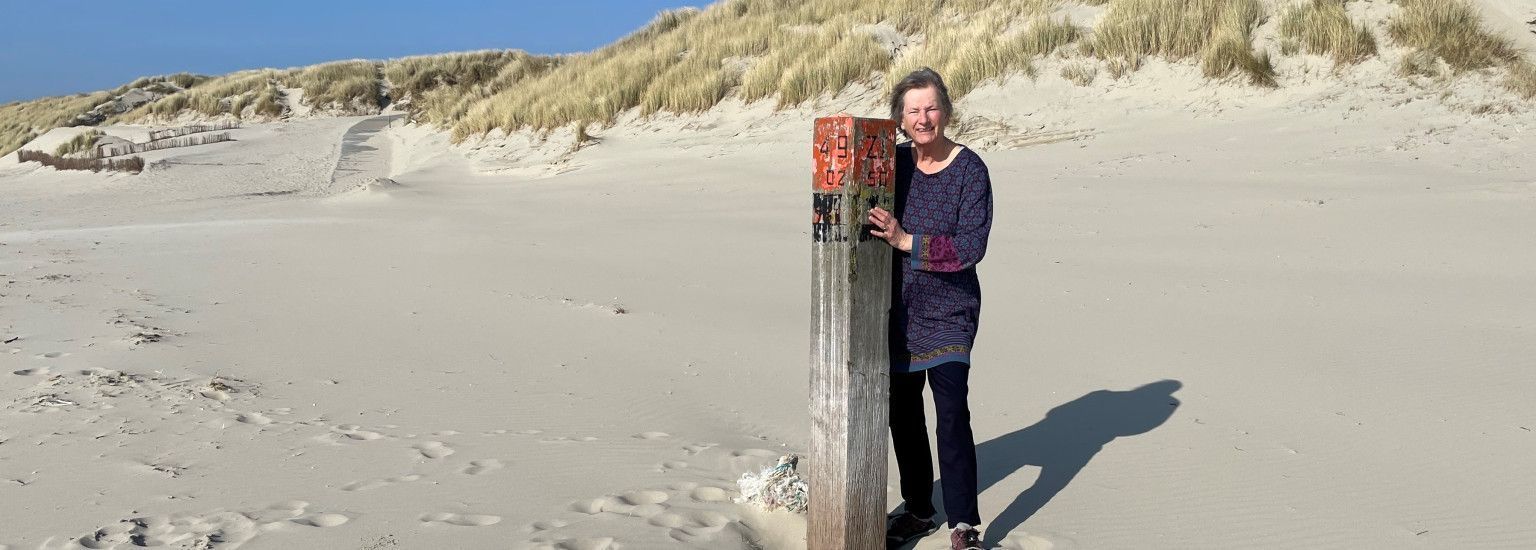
x,y
935,295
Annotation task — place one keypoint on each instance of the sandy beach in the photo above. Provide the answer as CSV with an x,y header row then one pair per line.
x,y
1215,316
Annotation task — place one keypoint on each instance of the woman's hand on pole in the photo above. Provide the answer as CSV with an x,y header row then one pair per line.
x,y
888,228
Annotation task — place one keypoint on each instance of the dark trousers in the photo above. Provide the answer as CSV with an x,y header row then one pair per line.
x,y
957,448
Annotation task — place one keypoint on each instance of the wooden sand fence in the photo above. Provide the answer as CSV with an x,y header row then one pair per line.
x,y
132,164
192,129
116,149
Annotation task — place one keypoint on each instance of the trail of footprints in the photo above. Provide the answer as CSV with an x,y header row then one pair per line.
x,y
218,529
689,512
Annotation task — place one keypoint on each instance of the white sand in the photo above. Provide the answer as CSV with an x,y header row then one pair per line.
x,y
294,347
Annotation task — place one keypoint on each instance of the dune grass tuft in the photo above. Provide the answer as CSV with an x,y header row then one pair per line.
x,y
985,48
1451,30
1522,79
1080,73
82,141
351,87
1322,27
1218,32
1419,63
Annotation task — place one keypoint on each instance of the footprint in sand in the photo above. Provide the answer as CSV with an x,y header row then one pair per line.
x,y
644,503
671,465
433,449
643,497
753,459
461,520
278,512
652,435
477,467
697,448
541,526
254,419
376,483
39,371
668,520
353,431
702,525
108,537
602,543
640,504
564,439
710,494
322,520
222,528
50,355
596,505
755,453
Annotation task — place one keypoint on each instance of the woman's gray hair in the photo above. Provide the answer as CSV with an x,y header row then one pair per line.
x,y
919,79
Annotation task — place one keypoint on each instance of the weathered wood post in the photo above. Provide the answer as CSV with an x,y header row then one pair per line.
x,y
850,293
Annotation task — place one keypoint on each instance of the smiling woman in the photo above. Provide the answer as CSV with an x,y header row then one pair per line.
x,y
942,219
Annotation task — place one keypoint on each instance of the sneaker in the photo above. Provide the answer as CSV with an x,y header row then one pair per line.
x,y
964,537
907,527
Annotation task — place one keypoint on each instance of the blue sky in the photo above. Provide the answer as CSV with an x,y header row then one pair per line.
x,y
57,47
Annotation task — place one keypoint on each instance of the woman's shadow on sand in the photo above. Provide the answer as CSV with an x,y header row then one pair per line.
x,y
1062,444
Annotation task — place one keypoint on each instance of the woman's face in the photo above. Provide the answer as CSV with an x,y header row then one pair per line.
x,y
921,116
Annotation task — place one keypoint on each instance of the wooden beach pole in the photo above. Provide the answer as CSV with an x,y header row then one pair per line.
x,y
850,295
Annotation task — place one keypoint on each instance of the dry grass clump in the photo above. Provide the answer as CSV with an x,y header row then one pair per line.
x,y
268,103
801,64
1081,74
134,164
346,86
409,77
1522,79
82,141
440,88
985,48
1219,32
1451,30
1419,63
1322,27
586,88
1228,54
164,84
1120,66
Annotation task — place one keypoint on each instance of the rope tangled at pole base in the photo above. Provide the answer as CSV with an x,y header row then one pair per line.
x,y
776,488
